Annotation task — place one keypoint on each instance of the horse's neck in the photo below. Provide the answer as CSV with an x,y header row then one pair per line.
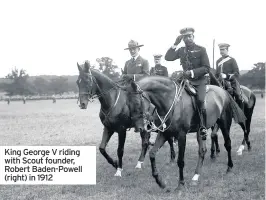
x,y
162,104
105,90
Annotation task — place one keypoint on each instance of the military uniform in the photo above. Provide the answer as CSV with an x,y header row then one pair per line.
x,y
193,58
228,66
199,64
159,70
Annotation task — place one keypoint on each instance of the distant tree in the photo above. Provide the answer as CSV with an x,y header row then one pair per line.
x,y
58,85
108,68
254,78
41,85
19,83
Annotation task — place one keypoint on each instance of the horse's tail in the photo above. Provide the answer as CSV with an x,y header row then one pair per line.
x,y
238,114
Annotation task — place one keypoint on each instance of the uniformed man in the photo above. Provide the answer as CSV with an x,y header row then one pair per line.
x,y
158,69
226,68
136,67
195,63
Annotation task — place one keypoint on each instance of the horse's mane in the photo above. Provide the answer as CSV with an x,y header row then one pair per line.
x,y
158,83
99,73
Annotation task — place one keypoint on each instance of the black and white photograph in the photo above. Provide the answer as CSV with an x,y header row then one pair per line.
x,y
126,100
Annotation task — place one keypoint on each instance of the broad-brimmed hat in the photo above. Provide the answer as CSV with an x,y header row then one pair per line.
x,y
223,45
187,31
157,56
133,44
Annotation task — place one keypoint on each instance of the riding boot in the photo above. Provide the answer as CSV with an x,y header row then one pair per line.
x,y
203,125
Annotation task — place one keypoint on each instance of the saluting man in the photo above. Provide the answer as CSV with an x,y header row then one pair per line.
x,y
227,68
137,67
195,63
158,69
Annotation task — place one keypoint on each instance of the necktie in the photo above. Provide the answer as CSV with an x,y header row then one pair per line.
x,y
133,59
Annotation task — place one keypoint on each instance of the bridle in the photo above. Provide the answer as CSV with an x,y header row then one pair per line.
x,y
162,127
92,95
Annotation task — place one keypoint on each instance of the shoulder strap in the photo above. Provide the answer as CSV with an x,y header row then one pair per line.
x,y
224,60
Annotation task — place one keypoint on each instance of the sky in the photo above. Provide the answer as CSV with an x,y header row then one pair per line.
x,y
50,36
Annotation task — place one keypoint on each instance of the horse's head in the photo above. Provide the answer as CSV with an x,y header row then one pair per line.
x,y
141,109
86,84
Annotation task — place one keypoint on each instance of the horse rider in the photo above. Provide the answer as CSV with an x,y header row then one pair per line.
x,y
195,64
227,69
136,67
158,69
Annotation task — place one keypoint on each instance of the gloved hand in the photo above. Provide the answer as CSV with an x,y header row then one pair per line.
x,y
187,74
230,76
223,75
178,39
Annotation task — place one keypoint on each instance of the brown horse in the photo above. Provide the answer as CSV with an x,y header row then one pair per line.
x,y
249,100
181,117
115,112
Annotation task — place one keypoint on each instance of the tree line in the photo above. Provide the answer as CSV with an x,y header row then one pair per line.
x,y
18,82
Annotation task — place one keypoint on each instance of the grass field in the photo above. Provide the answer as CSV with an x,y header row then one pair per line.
x,y
63,123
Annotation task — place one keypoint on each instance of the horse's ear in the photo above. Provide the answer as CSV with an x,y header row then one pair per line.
x,y
87,66
134,86
80,69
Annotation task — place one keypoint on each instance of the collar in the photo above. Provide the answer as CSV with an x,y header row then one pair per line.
x,y
190,47
136,57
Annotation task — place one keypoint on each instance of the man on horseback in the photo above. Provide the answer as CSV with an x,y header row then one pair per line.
x,y
195,63
137,66
158,69
227,69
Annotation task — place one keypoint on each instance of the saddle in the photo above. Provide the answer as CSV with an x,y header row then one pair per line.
x,y
191,89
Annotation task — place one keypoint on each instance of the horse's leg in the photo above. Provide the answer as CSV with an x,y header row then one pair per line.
x,y
145,137
172,149
214,141
248,122
201,154
160,140
225,124
107,134
120,151
181,154
242,146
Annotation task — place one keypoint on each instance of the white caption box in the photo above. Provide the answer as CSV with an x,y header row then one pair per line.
x,y
67,165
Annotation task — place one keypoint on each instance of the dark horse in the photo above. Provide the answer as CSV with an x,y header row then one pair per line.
x,y
181,117
115,114
249,100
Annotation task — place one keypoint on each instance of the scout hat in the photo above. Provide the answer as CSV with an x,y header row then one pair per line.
x,y
187,31
133,44
223,46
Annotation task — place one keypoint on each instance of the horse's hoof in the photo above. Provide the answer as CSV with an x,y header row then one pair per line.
x,y
213,156
138,166
118,172
181,183
229,169
249,148
167,190
160,182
